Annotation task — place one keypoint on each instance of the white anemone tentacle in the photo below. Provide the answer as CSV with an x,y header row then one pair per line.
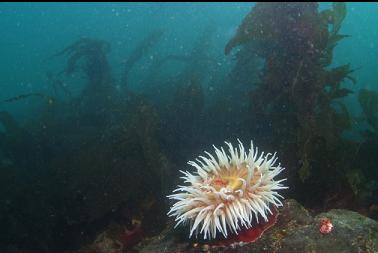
x,y
228,191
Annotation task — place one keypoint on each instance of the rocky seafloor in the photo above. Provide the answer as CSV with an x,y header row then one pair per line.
x,y
296,230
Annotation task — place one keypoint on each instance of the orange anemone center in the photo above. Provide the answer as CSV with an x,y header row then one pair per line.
x,y
231,177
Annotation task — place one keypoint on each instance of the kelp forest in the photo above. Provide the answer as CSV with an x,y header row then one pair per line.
x,y
105,158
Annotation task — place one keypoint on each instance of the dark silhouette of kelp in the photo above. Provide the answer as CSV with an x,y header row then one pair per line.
x,y
93,53
182,124
89,56
295,104
368,100
195,62
364,177
58,85
138,52
81,161
23,96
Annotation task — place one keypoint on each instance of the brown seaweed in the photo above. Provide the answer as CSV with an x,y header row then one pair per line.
x,y
89,56
93,53
294,101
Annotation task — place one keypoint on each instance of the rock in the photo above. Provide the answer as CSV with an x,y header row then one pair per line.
x,y
296,231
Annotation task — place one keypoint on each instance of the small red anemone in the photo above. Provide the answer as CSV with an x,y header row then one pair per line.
x,y
326,226
129,238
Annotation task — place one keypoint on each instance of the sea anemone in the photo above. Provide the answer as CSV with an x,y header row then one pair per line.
x,y
228,194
